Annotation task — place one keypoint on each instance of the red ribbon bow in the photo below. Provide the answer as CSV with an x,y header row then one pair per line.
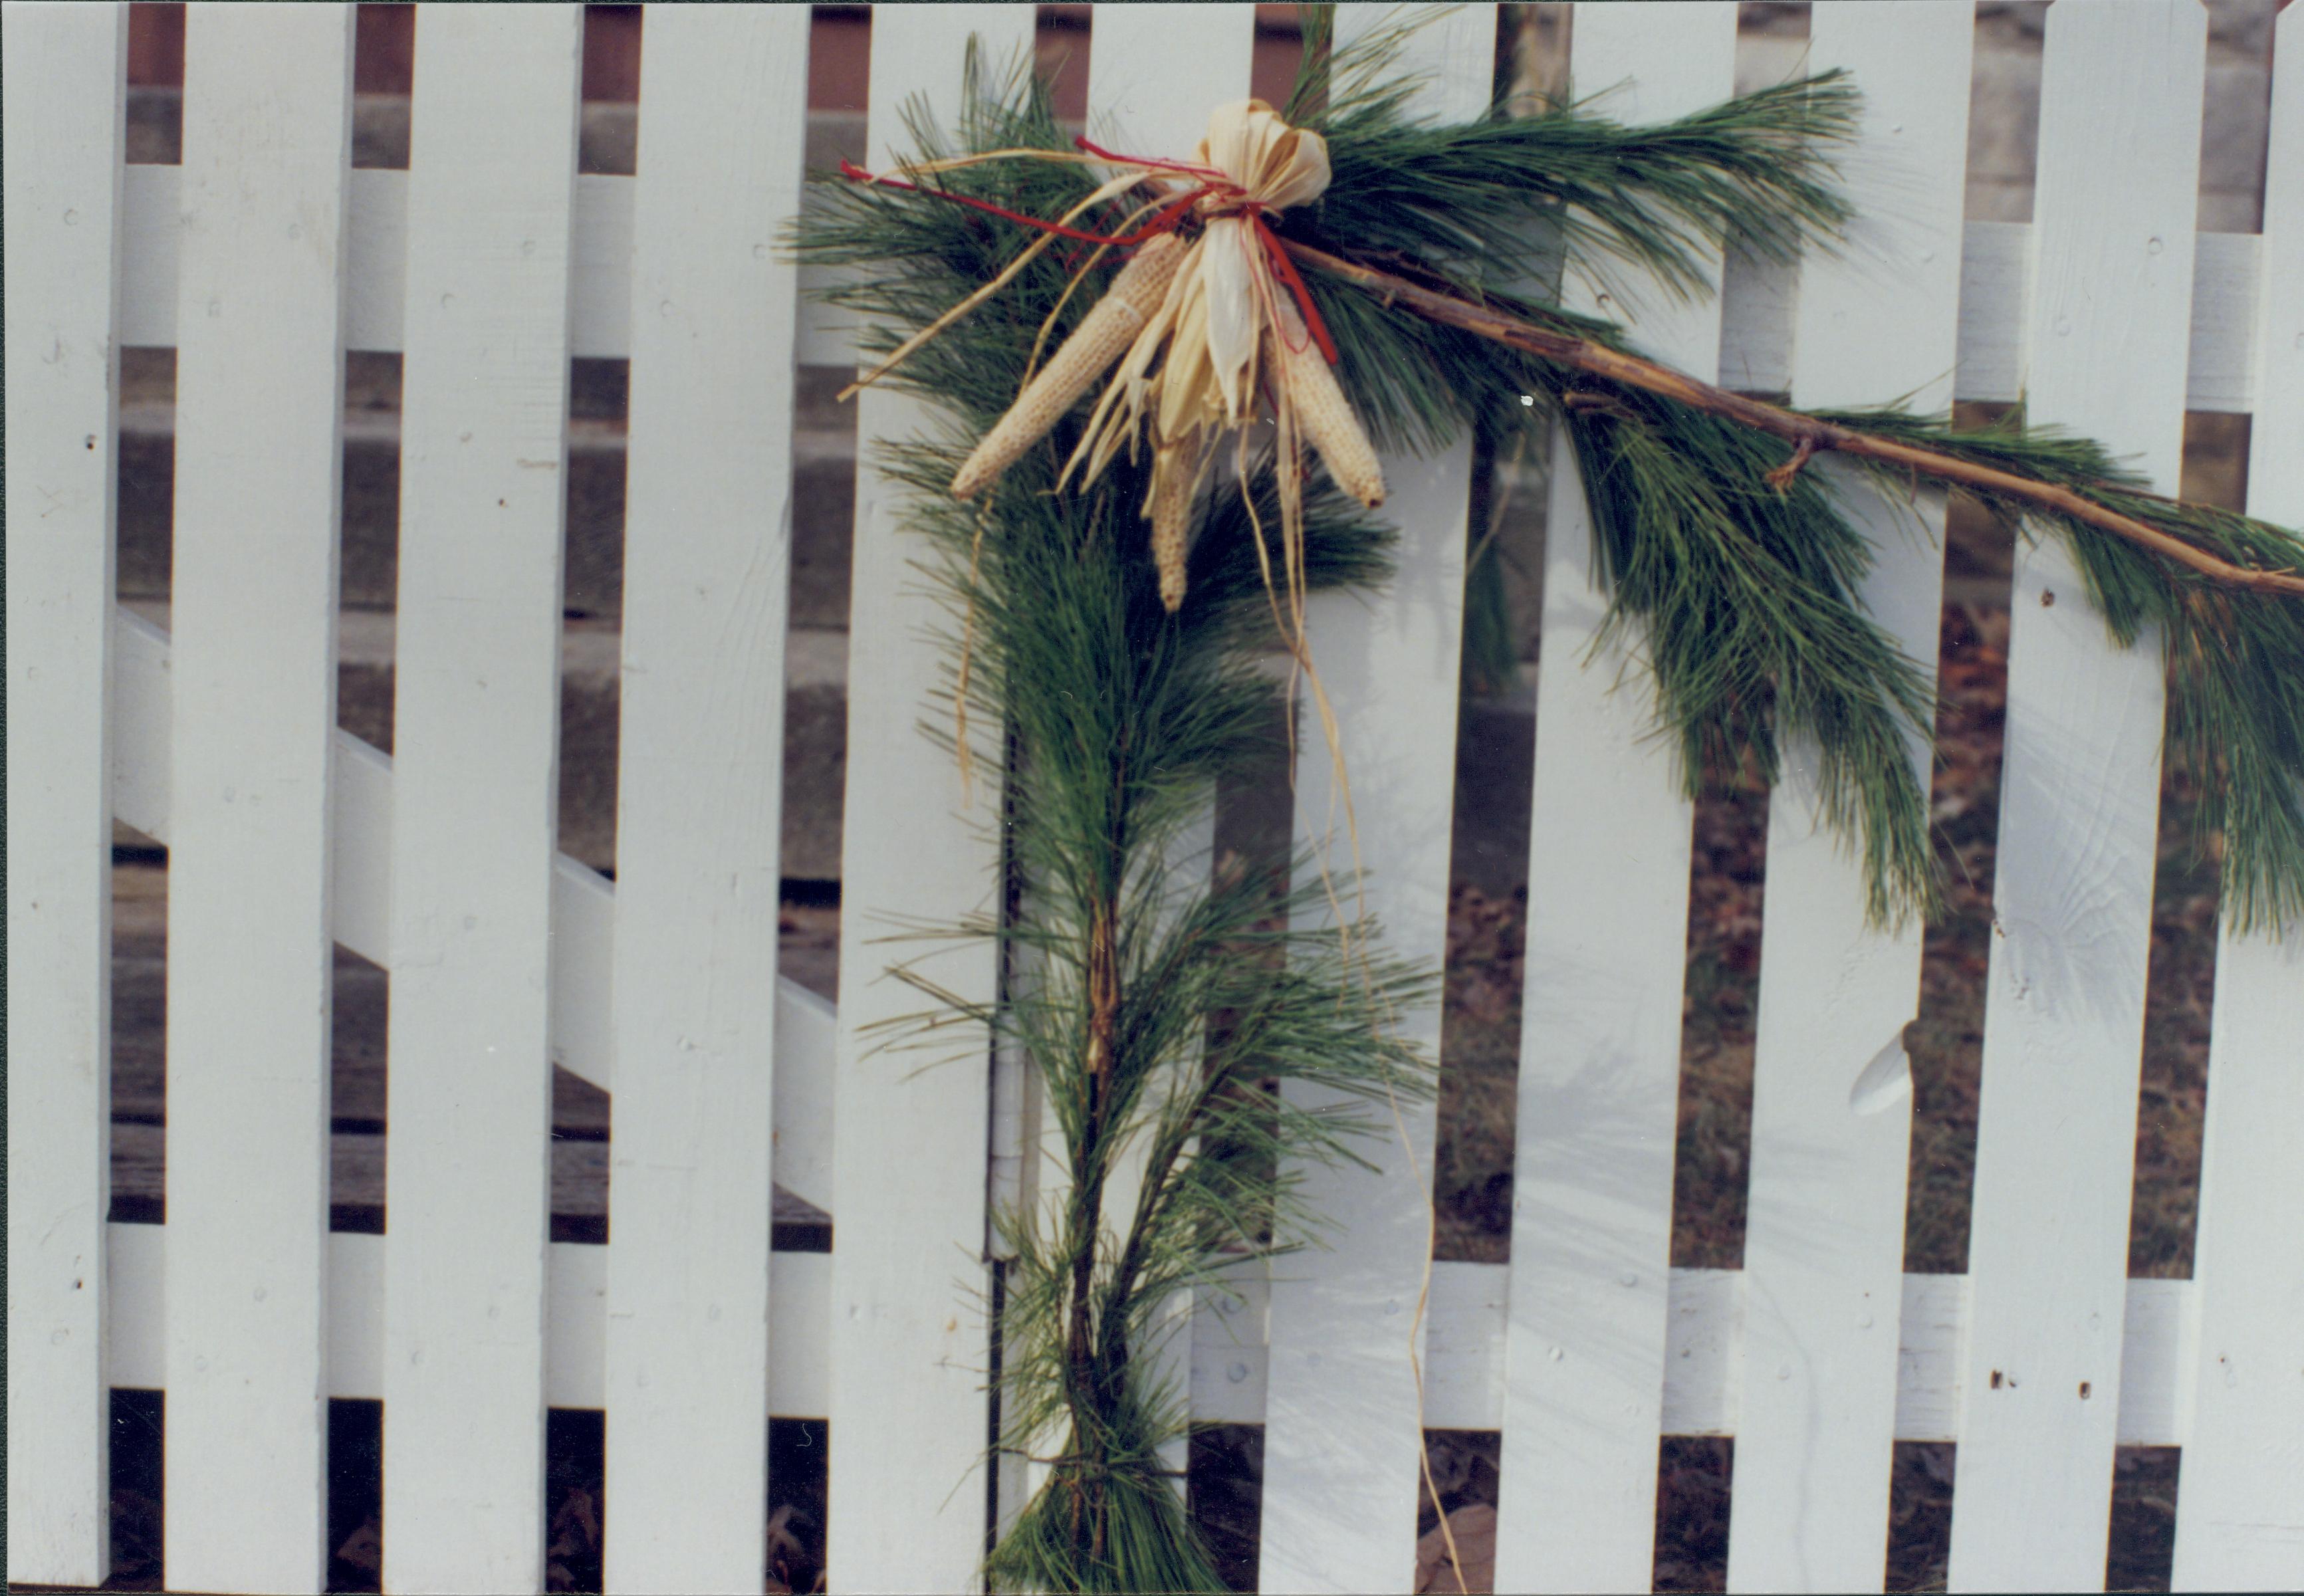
x,y
1212,185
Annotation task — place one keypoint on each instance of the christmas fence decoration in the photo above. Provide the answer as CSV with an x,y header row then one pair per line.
x,y
1120,339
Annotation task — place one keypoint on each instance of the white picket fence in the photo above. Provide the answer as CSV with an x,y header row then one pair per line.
x,y
489,262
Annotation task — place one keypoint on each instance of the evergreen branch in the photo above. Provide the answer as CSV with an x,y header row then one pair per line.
x,y
1117,720
1682,508
1810,434
1659,198
1509,197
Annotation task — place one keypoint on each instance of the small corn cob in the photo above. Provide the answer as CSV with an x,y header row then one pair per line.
x,y
1101,337
1171,510
1324,416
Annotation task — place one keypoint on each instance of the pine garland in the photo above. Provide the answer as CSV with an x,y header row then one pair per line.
x,y
1741,566
1163,1009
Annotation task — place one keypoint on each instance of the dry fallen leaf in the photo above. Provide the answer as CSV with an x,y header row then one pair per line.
x,y
1475,1530
363,1549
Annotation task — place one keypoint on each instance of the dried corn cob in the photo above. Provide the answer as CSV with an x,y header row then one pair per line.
x,y
1102,336
1324,416
1171,510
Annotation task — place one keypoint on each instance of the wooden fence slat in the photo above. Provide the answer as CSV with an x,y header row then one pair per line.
x,y
2114,208
1155,71
2257,981
492,174
1993,255
65,71
2240,1512
910,1128
706,557
1832,1097
1343,1430
1608,874
259,408
1464,1384
576,1336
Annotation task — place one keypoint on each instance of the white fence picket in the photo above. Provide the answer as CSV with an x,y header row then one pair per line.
x,y
2240,1512
259,408
1154,73
909,1341
1343,1419
492,174
2113,211
707,555
1607,898
63,135
1832,1089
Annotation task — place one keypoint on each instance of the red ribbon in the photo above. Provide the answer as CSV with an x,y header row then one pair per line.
x,y
1165,220
1288,275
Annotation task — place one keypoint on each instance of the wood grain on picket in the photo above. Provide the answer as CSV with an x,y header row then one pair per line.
x,y
706,553
476,723
2110,318
1832,1091
63,134
1608,877
2239,1515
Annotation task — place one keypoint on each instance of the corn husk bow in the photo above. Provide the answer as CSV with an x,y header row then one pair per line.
x,y
1199,330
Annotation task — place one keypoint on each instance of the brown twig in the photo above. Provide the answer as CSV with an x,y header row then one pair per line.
x,y
1090,1157
1780,479
1808,435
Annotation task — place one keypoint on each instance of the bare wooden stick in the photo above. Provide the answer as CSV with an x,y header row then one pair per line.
x,y
1806,434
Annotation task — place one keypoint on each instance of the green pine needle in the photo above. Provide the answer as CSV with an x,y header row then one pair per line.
x,y
2235,657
